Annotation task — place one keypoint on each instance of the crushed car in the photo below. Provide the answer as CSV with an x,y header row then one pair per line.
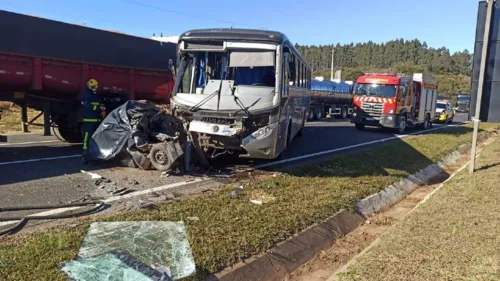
x,y
141,135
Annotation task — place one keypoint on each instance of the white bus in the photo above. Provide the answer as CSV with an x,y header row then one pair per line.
x,y
244,92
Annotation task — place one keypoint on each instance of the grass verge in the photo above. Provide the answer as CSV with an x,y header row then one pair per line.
x,y
453,236
229,230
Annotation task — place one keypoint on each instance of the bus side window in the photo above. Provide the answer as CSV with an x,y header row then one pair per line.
x,y
285,76
299,73
293,71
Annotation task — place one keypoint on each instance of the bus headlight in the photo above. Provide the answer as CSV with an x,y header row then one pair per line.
x,y
391,111
264,131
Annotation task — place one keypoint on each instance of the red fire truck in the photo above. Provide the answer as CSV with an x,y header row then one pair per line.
x,y
394,101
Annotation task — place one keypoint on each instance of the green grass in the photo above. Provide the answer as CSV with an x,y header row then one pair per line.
x,y
452,236
229,230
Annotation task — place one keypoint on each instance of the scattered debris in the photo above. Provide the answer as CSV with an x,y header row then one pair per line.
x,y
122,191
276,175
261,196
102,186
165,174
193,218
148,206
170,196
154,194
134,182
235,193
256,202
92,175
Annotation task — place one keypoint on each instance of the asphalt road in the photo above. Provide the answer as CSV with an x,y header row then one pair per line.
x,y
25,181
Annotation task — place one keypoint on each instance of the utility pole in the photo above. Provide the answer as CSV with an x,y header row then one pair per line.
x,y
331,69
482,70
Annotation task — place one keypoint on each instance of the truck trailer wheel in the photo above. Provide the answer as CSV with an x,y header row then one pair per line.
x,y
69,134
318,113
310,114
343,113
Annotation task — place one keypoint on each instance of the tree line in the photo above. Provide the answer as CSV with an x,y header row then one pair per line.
x,y
407,56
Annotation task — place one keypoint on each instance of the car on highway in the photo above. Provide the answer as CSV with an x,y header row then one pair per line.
x,y
444,112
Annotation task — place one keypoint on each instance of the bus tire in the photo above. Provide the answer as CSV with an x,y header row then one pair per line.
x,y
300,133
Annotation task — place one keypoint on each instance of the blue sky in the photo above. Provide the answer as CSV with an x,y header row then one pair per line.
x,y
449,23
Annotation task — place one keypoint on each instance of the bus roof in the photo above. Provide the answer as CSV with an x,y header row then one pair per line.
x,y
239,34
233,33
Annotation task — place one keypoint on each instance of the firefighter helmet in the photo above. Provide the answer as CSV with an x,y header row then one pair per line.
x,y
92,83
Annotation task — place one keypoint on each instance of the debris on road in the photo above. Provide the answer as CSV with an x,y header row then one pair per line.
x,y
170,196
125,249
148,205
94,176
193,218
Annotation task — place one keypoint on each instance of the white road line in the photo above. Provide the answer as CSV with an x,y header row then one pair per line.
x,y
345,148
199,180
24,143
40,159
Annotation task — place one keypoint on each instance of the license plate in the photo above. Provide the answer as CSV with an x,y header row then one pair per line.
x,y
369,118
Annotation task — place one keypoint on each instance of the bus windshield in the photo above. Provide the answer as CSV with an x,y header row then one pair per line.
x,y
379,90
249,68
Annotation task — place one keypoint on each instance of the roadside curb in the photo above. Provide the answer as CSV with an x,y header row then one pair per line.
x,y
286,257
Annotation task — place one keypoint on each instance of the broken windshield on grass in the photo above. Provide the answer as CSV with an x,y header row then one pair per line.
x,y
113,266
221,80
161,245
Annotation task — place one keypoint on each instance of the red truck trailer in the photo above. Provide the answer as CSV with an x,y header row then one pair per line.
x,y
45,64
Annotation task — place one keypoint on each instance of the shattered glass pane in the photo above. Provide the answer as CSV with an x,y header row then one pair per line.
x,y
162,245
115,266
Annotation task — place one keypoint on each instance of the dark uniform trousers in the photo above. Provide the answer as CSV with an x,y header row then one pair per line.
x,y
91,115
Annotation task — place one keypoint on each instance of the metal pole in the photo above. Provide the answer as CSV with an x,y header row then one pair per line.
x,y
331,69
24,118
482,70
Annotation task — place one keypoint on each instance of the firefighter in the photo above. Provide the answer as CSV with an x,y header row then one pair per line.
x,y
93,111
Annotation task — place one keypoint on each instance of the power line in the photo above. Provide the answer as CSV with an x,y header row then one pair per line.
x,y
186,14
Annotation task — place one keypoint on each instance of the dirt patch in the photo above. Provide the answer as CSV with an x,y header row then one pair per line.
x,y
11,118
